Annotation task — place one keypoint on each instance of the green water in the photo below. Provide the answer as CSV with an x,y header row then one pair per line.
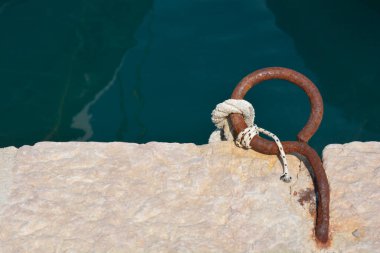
x,y
144,70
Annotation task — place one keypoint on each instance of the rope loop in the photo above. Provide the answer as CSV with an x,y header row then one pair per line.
x,y
219,117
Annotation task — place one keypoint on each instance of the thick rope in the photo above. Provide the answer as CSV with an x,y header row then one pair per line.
x,y
219,117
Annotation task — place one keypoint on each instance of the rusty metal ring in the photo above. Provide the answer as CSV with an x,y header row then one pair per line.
x,y
269,147
298,79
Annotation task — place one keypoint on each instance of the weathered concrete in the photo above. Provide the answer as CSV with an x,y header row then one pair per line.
x,y
161,197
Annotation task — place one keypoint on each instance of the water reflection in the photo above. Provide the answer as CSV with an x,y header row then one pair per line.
x,y
82,70
56,56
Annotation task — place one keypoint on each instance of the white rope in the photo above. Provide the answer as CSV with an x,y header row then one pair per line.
x,y
219,117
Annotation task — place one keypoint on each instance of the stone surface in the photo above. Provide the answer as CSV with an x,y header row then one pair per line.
x,y
354,174
161,197
7,160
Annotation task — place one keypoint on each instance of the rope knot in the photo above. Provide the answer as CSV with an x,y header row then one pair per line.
x,y
219,117
245,137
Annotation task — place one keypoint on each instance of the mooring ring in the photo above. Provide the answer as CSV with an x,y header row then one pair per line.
x,y
265,146
296,78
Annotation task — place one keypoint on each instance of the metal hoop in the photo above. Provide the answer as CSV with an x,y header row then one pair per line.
x,y
296,78
269,147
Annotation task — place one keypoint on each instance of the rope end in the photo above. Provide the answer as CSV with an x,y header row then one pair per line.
x,y
286,178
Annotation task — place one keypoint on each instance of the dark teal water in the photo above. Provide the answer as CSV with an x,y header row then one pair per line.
x,y
144,70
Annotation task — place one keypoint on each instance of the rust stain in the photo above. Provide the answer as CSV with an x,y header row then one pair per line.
x,y
306,196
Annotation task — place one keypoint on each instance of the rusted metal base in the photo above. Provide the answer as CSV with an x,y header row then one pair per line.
x,y
270,148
